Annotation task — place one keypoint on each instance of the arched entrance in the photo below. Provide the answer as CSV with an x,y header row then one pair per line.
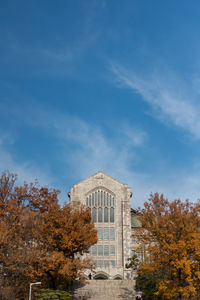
x,y
117,277
101,276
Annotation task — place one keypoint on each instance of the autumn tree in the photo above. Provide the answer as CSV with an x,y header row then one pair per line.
x,y
40,240
172,233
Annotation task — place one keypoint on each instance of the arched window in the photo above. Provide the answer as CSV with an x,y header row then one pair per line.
x,y
105,214
102,204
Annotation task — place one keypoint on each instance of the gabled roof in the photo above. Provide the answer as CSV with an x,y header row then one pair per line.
x,y
100,173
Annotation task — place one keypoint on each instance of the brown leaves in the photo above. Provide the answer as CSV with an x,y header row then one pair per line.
x,y
40,240
172,231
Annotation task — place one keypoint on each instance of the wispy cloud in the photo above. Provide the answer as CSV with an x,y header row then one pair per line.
x,y
86,148
171,98
83,149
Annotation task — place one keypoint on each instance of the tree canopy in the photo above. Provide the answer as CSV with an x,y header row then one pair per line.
x,y
171,231
40,240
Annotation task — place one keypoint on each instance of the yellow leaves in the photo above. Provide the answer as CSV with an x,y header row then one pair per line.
x,y
172,230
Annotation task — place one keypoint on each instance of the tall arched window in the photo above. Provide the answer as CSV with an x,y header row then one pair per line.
x,y
102,204
105,214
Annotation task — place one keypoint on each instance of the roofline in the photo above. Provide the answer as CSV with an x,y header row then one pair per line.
x,y
103,174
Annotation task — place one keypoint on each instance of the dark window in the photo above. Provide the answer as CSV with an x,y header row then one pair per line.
x,y
105,214
112,218
94,214
99,214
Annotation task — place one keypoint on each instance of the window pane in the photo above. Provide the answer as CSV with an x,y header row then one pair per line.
x,y
87,201
95,198
112,215
92,199
94,250
112,262
100,263
104,198
106,263
109,204
112,250
98,198
105,214
100,233
99,214
112,234
106,250
106,234
94,214
100,250
101,198
113,201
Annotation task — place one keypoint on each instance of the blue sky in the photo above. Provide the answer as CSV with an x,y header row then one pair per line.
x,y
102,85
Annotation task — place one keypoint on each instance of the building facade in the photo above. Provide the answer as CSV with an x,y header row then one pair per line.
x,y
109,201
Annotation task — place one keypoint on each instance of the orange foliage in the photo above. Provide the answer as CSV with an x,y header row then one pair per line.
x,y
40,240
172,231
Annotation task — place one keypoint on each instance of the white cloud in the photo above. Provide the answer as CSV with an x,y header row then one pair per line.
x,y
170,97
83,149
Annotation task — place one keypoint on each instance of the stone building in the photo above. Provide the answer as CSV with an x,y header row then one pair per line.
x,y
109,200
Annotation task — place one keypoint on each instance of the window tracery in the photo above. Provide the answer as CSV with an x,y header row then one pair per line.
x,y
102,204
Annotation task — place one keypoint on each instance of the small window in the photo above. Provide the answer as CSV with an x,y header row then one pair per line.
x,y
100,250
87,201
99,214
94,250
95,198
107,199
112,250
113,263
106,233
98,198
106,250
100,263
94,214
112,219
106,263
112,233
113,202
110,200
105,214
100,233
101,198
90,200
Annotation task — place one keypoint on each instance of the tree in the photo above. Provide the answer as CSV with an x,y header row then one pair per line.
x,y
172,231
40,240
146,282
